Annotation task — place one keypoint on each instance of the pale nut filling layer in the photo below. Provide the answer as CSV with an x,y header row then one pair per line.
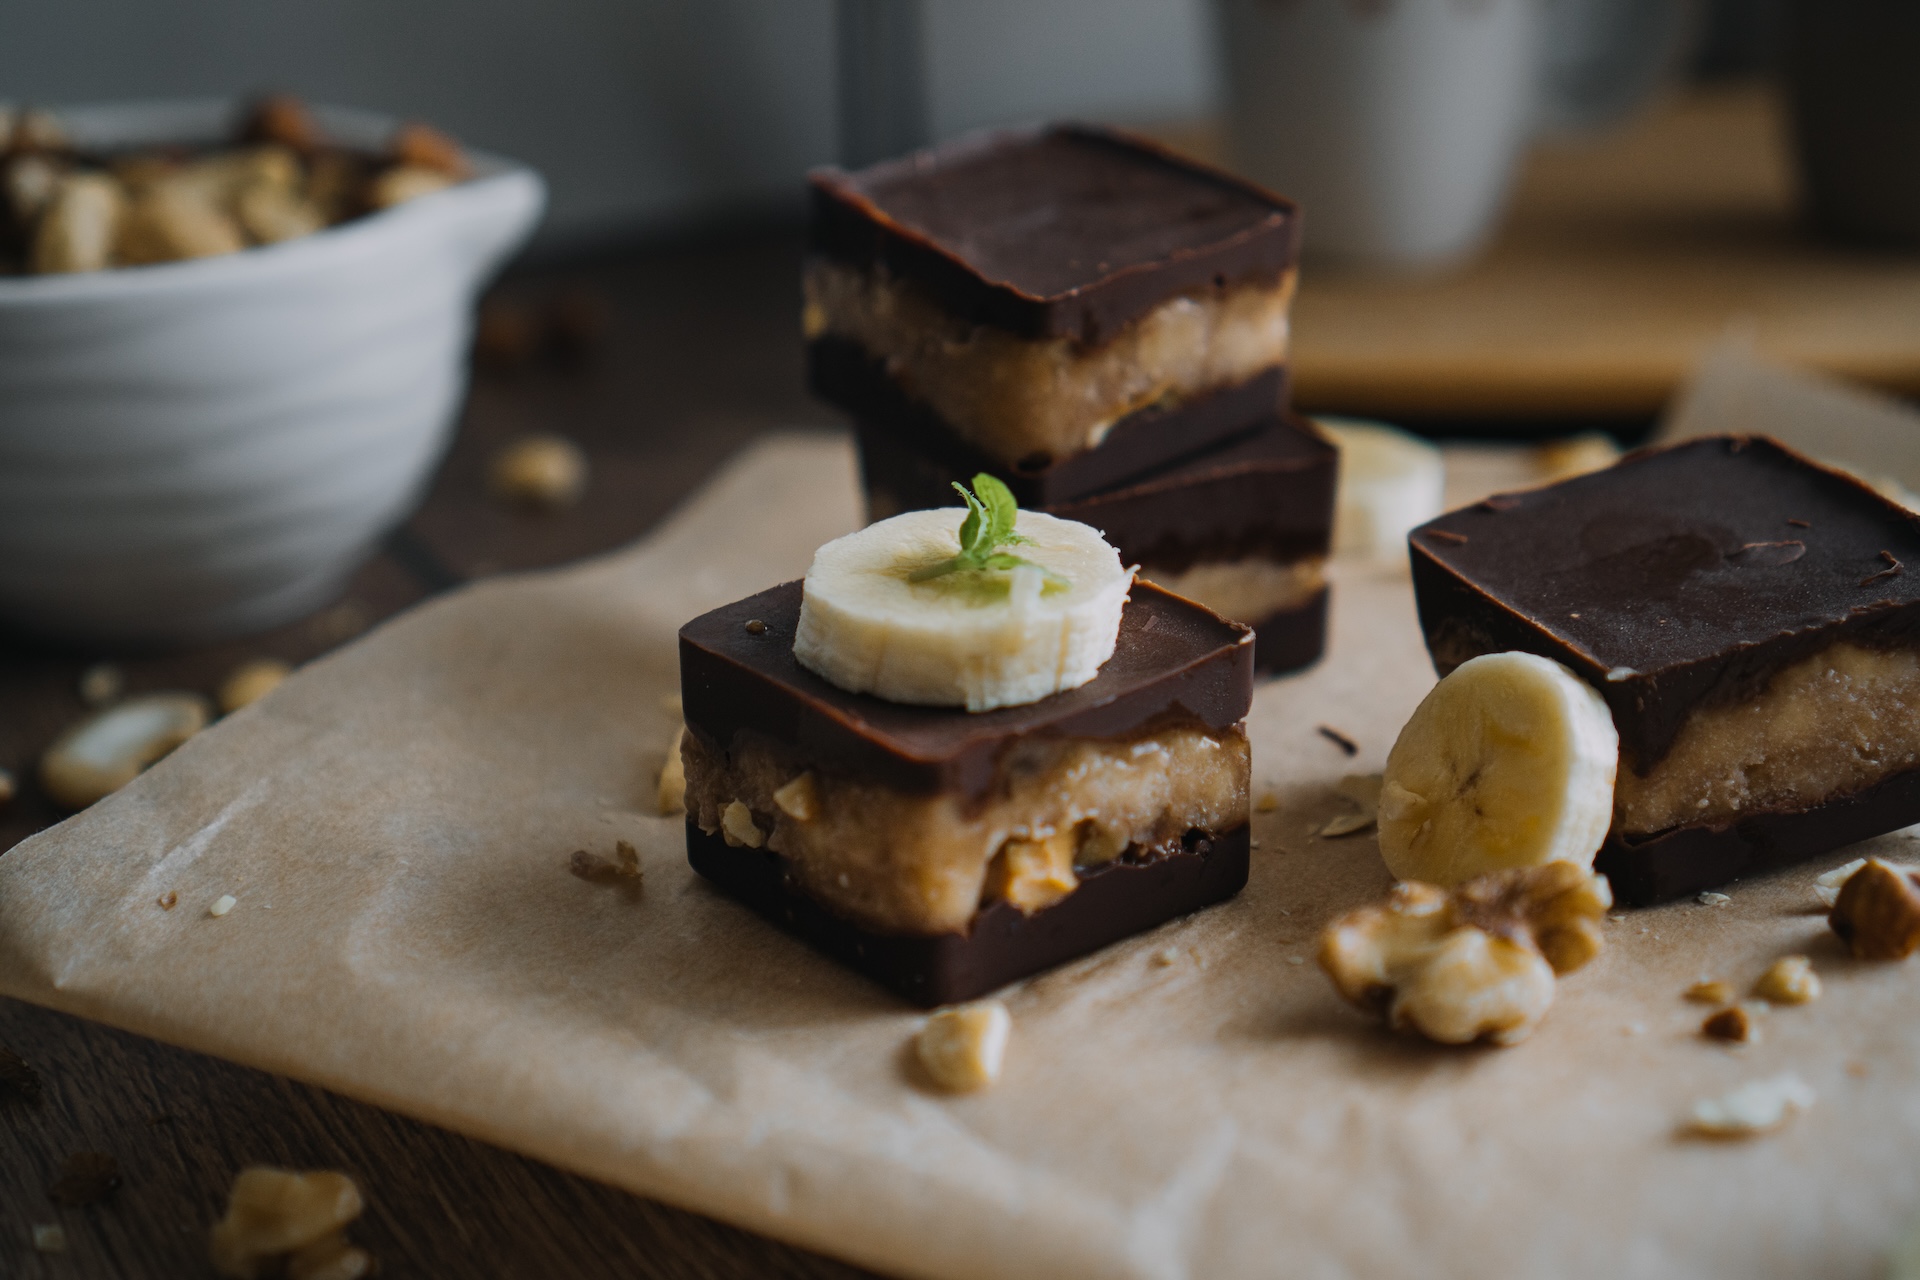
x,y
1016,397
1248,590
1830,725
925,863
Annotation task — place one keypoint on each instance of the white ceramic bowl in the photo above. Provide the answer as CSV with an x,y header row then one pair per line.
x,y
210,447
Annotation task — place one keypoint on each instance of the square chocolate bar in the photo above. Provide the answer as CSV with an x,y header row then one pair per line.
x,y
1034,298
945,853
1752,620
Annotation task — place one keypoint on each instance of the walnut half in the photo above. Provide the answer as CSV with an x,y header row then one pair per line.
x,y
1878,912
1477,963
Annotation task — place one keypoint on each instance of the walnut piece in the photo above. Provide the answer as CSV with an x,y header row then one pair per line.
x,y
275,1214
962,1046
1878,912
1477,963
1788,980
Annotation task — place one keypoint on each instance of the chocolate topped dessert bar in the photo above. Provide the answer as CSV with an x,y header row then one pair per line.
x,y
1034,295
1752,620
945,852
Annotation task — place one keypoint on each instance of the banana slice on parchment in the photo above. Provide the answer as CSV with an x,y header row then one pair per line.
x,y
998,611
1390,482
1509,762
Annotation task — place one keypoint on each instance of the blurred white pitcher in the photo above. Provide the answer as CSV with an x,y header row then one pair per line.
x,y
1394,123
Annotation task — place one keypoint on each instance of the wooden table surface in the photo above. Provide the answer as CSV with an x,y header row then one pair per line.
x,y
701,353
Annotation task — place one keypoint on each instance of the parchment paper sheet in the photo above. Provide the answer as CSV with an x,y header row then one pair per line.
x,y
396,821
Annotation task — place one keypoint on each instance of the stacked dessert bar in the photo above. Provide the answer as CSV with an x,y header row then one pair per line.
x,y
1103,326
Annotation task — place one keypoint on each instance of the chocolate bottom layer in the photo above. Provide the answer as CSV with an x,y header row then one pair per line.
x,y
1113,902
1686,860
911,454
1289,639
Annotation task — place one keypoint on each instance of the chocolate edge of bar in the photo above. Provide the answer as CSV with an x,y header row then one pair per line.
x,y
1687,860
842,372
1213,688
1112,903
847,226
1294,638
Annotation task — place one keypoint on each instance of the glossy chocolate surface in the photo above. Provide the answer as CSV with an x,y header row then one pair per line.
x,y
908,449
1269,492
1681,578
1175,662
1002,945
1065,231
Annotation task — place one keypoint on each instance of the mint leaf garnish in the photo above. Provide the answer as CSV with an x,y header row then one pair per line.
x,y
988,527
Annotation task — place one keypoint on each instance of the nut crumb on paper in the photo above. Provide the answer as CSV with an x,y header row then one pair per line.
x,y
1877,912
288,1223
222,904
962,1047
1736,1024
1788,980
1710,991
1755,1108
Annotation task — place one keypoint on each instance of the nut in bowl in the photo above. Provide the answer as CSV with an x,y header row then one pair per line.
x,y
207,447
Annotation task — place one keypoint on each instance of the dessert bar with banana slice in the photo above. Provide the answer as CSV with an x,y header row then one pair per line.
x,y
1063,307
966,749
1751,620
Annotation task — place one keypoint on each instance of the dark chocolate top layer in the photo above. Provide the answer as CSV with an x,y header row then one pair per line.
x,y
1174,660
1683,577
1065,231
1269,492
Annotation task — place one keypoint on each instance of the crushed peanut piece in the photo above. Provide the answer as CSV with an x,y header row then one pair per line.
x,y
110,748
168,900
1267,802
1477,963
597,870
799,799
963,1046
672,794
1033,874
542,472
102,683
251,681
737,826
1878,912
274,1213
1710,991
1757,1107
49,1237
223,904
1733,1024
1789,980
87,1177
1711,899
628,859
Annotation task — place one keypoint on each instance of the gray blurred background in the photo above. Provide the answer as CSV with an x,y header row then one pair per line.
x,y
655,115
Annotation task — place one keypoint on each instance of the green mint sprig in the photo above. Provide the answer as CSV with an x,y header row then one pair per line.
x,y
988,527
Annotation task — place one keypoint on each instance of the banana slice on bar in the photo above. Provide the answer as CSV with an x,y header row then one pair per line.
x,y
1390,482
1509,762
1021,624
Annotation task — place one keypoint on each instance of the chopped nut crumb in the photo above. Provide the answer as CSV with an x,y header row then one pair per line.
x,y
1474,964
799,799
1711,899
628,859
1732,1024
1757,1107
1789,980
49,1237
168,900
1033,874
1267,802
539,472
1710,991
18,1081
597,870
1878,912
279,1213
222,904
102,683
755,627
673,777
737,827
87,1177
963,1046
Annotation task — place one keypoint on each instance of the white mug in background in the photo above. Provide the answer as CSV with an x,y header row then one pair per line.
x,y
1394,123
